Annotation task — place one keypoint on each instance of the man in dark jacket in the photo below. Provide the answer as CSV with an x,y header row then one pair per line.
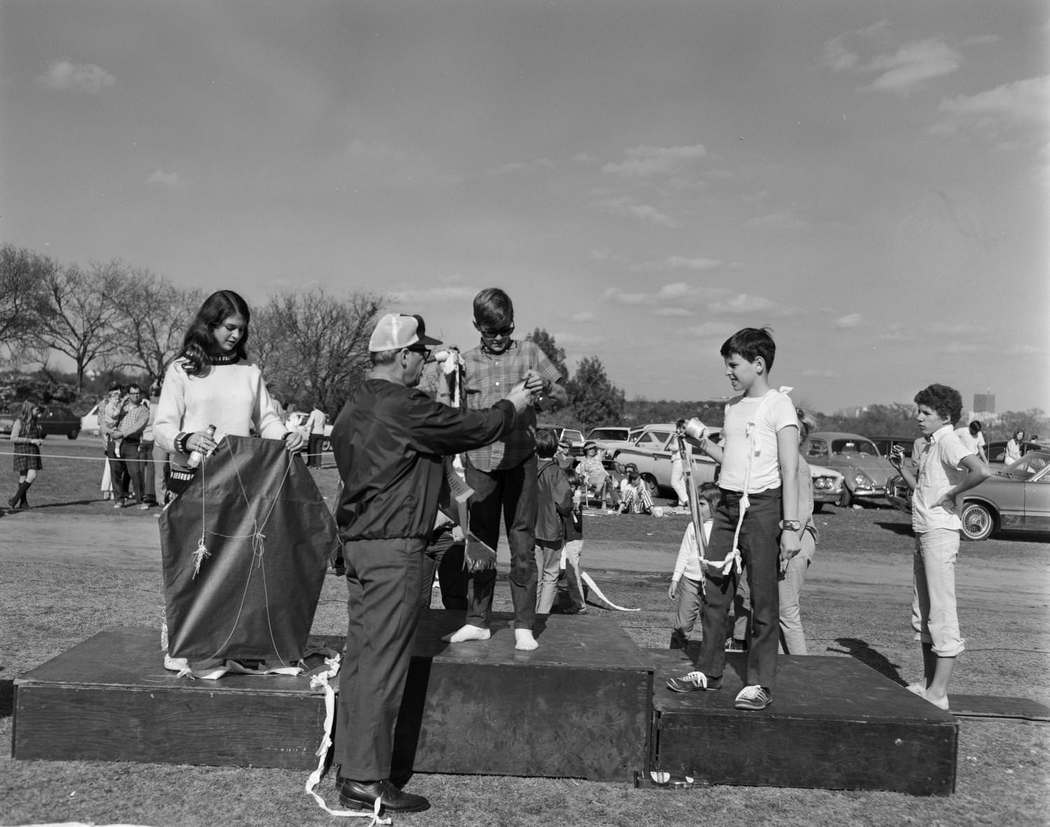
x,y
389,441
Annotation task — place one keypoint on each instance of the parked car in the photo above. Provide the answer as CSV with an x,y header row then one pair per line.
x,y
89,422
996,451
884,443
573,436
7,421
296,420
1015,498
651,452
60,420
610,439
828,485
866,472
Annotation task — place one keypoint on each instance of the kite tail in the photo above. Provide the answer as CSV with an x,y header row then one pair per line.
x,y
594,588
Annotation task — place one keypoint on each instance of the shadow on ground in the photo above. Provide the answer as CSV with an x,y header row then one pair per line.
x,y
860,650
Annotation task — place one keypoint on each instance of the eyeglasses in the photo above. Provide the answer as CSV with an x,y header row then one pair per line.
x,y
422,351
489,333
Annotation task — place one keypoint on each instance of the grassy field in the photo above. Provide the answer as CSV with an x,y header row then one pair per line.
x,y
72,566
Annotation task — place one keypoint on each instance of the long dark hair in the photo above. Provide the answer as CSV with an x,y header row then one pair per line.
x,y
198,345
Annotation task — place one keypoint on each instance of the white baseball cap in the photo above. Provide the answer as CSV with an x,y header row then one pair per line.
x,y
399,330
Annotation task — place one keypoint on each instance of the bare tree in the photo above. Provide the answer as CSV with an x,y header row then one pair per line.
x,y
150,321
314,347
80,317
23,296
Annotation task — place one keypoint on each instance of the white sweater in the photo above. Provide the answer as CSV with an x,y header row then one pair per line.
x,y
233,398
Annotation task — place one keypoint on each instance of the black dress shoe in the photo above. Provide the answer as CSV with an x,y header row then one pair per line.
x,y
362,795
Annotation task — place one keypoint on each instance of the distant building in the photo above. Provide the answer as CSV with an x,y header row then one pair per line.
x,y
984,403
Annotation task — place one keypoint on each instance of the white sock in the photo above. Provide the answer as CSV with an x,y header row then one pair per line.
x,y
524,640
468,632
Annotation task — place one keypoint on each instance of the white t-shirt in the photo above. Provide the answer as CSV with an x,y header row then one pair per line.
x,y
969,441
777,413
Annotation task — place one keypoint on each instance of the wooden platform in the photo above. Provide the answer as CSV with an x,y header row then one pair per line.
x,y
579,706
834,724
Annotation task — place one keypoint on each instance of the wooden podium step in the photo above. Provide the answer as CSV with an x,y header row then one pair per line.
x,y
579,706
834,724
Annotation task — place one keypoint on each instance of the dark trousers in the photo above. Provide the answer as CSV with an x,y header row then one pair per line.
x,y
133,468
444,559
510,493
760,548
149,481
118,470
313,450
383,579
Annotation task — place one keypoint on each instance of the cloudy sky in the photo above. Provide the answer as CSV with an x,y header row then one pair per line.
x,y
868,179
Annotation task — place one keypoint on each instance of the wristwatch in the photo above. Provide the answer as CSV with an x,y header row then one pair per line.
x,y
789,525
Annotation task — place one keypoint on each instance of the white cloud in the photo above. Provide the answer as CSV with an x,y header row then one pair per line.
x,y
164,179
515,167
780,220
439,293
615,294
848,321
742,303
643,161
697,264
673,311
959,348
583,316
647,213
577,341
837,56
913,64
711,329
1020,102
80,77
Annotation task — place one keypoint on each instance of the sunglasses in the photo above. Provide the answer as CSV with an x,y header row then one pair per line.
x,y
423,351
489,333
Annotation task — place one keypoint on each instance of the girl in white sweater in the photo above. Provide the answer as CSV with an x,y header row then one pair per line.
x,y
213,383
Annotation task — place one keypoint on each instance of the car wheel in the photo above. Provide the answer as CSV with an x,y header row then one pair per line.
x,y
978,522
74,433
818,507
845,499
651,484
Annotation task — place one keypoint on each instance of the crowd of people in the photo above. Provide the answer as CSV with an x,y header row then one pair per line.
x,y
434,454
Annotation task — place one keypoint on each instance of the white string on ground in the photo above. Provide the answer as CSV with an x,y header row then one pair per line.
x,y
323,680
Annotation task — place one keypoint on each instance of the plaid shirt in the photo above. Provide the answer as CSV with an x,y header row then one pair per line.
x,y
489,377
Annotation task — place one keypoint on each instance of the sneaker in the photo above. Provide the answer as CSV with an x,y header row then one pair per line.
x,y
120,503
753,697
917,688
693,681
736,645
144,506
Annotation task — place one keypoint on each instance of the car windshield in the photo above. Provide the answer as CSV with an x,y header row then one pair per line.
x,y
854,446
608,433
571,435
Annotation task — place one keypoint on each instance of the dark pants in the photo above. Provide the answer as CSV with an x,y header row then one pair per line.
x,y
383,579
149,481
313,450
444,558
760,548
134,471
511,493
118,470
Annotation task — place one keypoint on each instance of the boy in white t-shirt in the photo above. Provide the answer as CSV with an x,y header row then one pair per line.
x,y
946,468
756,514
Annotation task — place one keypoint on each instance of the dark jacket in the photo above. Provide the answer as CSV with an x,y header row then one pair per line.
x,y
553,501
389,441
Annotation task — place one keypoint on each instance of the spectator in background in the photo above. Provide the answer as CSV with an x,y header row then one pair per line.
x,y
145,452
157,470
678,468
315,428
109,416
1015,447
128,434
634,492
973,439
596,478
26,434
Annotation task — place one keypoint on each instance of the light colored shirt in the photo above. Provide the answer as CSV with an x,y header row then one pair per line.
x,y
688,562
315,422
768,420
969,441
133,422
939,470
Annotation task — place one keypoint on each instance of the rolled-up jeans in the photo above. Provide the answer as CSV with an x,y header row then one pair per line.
x,y
792,635
934,615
